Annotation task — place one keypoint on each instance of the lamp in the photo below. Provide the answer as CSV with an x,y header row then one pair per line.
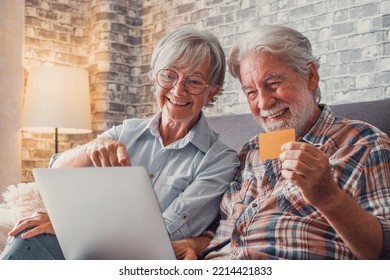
x,y
57,99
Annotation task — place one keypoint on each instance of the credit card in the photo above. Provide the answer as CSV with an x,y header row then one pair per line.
x,y
270,143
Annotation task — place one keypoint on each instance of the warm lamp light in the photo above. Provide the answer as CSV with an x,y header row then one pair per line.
x,y
57,100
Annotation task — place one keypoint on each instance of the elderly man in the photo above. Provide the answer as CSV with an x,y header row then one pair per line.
x,y
327,196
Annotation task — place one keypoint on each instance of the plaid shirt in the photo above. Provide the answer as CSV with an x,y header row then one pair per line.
x,y
265,217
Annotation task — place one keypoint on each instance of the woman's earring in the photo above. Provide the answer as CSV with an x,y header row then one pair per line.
x,y
153,89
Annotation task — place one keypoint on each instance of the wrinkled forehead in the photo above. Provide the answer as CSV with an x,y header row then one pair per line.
x,y
255,61
261,67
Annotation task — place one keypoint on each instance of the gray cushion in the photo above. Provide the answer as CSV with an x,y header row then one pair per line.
x,y
236,130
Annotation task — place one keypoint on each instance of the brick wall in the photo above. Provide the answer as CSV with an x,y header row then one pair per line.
x,y
113,40
350,37
114,61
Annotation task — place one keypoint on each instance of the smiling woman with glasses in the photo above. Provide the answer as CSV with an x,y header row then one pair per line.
x,y
189,166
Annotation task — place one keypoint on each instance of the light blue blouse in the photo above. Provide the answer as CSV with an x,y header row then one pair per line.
x,y
189,176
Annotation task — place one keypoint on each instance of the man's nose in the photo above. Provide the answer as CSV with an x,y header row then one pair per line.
x,y
265,100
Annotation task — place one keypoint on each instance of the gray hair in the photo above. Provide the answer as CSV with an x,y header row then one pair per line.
x,y
188,47
278,40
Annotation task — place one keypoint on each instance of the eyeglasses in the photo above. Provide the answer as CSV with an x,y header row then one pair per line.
x,y
194,84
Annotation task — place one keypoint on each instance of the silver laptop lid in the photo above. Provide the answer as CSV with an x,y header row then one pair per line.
x,y
104,213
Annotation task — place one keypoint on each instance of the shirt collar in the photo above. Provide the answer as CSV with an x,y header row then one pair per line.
x,y
154,124
200,135
317,134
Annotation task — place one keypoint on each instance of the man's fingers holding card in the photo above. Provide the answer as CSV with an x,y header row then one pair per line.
x,y
270,143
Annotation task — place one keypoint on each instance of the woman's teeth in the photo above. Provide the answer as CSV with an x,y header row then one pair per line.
x,y
179,103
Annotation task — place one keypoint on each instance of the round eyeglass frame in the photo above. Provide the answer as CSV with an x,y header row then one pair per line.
x,y
177,79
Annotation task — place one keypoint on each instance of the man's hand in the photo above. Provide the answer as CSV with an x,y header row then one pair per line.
x,y
191,248
38,223
105,152
308,168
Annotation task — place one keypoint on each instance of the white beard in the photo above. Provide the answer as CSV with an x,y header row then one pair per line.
x,y
301,113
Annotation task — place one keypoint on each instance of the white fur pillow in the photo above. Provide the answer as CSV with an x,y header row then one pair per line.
x,y
23,200
5,225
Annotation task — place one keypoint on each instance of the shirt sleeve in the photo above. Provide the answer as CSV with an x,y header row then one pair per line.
x,y
385,254
201,198
374,191
230,197
53,159
113,133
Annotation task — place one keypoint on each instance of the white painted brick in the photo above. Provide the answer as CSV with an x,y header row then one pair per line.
x,y
370,51
282,16
386,93
158,27
384,64
384,6
362,81
324,34
45,5
79,31
363,26
263,9
31,11
46,25
30,31
103,66
363,2
244,4
363,39
101,106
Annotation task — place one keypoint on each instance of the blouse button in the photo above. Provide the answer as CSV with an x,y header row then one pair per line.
x,y
184,217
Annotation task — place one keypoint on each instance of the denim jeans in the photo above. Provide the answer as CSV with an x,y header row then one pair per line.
x,y
41,247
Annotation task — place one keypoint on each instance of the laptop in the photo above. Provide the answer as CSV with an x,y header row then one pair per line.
x,y
104,213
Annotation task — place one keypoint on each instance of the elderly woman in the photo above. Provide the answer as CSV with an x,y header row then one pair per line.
x,y
190,168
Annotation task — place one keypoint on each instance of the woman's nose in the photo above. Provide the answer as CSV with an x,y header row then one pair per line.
x,y
180,88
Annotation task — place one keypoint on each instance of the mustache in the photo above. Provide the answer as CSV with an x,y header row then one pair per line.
x,y
276,108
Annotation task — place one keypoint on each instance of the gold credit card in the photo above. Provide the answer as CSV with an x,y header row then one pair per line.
x,y
270,143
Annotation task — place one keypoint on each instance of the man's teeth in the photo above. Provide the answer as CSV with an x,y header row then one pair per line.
x,y
277,114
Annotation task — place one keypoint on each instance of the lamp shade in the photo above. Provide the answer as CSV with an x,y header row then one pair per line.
x,y
57,97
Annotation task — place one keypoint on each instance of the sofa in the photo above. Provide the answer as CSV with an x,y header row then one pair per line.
x,y
235,130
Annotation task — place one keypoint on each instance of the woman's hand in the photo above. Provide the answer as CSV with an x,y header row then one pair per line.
x,y
105,152
38,223
100,152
